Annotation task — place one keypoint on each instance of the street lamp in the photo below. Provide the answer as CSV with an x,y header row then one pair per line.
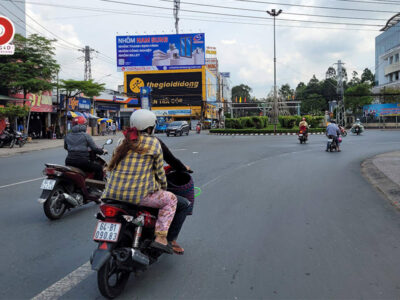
x,y
274,13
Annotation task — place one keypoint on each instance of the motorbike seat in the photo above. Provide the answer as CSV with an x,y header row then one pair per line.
x,y
131,208
77,170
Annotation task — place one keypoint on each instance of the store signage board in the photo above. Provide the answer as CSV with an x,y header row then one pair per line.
x,y
160,52
7,32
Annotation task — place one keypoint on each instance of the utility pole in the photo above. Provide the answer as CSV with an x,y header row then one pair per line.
x,y
88,67
340,111
274,13
177,6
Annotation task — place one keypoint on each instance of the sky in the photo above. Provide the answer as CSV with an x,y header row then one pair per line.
x,y
243,36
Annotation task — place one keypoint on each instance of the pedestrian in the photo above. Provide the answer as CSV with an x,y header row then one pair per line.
x,y
113,128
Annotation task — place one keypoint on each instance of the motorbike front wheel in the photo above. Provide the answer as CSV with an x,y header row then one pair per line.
x,y
54,207
110,280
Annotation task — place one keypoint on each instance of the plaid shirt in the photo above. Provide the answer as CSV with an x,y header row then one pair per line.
x,y
138,175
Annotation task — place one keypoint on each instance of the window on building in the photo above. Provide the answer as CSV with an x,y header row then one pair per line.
x,y
390,77
396,58
396,76
391,60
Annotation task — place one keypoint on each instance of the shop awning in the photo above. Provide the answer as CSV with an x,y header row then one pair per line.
x,y
103,120
4,97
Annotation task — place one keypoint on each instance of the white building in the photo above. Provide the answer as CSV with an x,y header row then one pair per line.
x,y
387,52
15,11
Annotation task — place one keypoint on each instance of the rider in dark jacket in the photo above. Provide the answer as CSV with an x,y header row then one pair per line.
x,y
78,144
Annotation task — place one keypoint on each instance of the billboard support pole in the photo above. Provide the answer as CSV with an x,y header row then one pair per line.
x,y
177,6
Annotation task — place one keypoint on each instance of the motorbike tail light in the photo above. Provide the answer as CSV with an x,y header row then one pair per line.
x,y
51,172
301,131
110,211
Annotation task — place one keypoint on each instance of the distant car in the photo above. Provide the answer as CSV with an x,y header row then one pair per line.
x,y
177,128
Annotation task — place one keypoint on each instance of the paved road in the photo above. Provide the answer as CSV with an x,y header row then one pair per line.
x,y
276,220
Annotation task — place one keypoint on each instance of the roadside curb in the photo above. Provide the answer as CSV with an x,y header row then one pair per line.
x,y
290,133
44,145
381,182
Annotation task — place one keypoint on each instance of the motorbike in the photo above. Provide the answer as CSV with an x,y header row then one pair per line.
x,y
198,128
7,139
124,233
68,187
20,138
332,145
343,131
357,129
303,136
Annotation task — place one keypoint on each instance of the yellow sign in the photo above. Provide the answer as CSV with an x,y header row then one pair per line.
x,y
135,85
211,51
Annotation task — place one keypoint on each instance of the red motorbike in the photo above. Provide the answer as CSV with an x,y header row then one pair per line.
x,y
68,187
303,135
198,128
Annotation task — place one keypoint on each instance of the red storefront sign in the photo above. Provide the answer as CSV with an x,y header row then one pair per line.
x,y
37,102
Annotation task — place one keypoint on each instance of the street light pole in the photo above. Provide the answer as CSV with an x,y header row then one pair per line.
x,y
274,13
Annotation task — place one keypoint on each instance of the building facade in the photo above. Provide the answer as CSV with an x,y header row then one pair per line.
x,y
387,55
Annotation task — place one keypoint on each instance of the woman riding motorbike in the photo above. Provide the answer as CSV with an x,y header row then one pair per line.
x,y
137,174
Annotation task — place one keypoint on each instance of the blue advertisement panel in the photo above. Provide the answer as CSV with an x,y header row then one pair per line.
x,y
76,103
211,86
160,52
378,110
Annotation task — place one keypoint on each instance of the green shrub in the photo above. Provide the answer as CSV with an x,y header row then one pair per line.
x,y
254,130
246,122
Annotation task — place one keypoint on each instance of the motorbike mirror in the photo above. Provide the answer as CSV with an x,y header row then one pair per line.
x,y
109,142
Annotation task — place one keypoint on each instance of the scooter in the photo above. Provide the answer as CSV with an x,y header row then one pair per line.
x,y
343,131
303,135
68,187
7,139
20,138
332,145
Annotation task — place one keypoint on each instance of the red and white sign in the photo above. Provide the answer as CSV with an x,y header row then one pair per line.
x,y
7,32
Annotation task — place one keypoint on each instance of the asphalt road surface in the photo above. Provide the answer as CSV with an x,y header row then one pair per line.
x,y
275,220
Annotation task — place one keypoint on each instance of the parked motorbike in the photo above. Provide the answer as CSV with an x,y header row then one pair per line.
x,y
198,128
303,136
7,139
68,187
20,138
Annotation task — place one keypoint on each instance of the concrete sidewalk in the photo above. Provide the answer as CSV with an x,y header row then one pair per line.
x,y
41,144
383,171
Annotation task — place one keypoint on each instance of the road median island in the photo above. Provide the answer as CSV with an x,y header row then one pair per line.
x,y
382,171
253,131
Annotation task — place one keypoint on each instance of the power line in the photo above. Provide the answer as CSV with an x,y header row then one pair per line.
x,y
195,19
319,7
286,13
243,16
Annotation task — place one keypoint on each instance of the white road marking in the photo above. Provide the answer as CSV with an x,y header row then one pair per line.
x,y
178,149
21,182
64,285
195,152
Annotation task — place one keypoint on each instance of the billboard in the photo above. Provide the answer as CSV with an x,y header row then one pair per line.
x,y
212,65
160,52
211,86
168,88
377,110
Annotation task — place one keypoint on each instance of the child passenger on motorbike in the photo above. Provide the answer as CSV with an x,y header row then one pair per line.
x,y
137,174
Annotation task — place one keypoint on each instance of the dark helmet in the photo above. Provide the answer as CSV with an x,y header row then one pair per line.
x,y
333,121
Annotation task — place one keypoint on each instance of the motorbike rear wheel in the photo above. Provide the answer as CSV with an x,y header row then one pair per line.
x,y
110,280
54,208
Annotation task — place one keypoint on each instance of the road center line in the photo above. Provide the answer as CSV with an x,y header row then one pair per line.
x,y
21,182
64,285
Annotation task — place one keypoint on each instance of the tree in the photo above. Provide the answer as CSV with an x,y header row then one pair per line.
x,y
12,111
330,73
368,77
354,80
313,87
390,95
73,88
286,92
31,69
241,91
314,104
357,96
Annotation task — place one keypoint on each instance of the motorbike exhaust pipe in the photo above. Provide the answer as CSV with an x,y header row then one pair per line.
x,y
71,200
139,257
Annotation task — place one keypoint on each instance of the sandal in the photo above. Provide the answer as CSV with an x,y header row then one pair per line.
x,y
164,248
177,249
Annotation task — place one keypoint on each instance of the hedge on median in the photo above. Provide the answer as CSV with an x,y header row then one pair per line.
x,y
291,121
246,122
263,131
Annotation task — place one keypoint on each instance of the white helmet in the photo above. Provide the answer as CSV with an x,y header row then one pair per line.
x,y
143,119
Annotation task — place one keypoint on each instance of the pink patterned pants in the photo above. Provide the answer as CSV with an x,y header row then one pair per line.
x,y
166,203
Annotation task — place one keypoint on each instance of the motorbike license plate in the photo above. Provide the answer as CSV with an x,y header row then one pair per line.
x,y
330,141
300,135
107,231
48,184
